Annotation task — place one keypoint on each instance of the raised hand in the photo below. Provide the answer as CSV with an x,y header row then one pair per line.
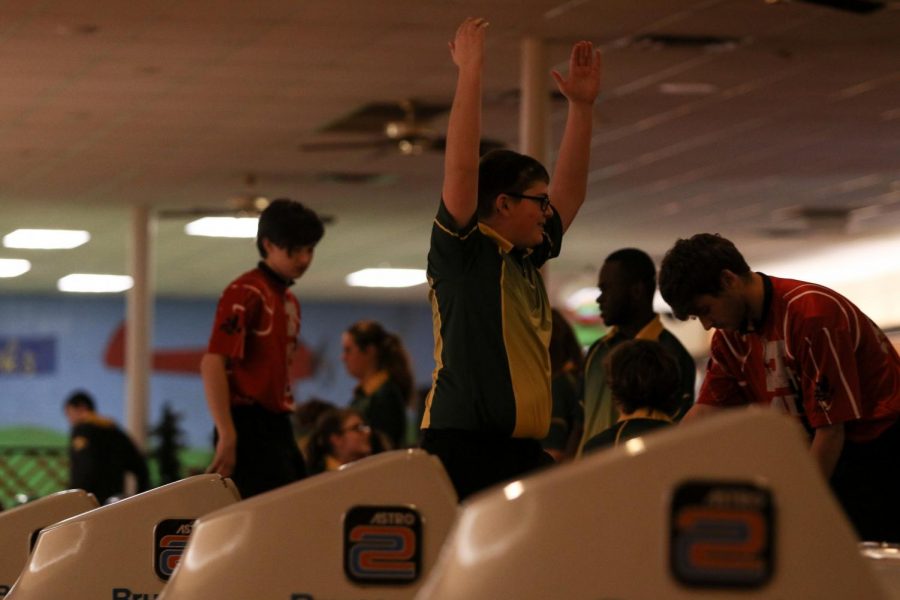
x,y
583,82
467,47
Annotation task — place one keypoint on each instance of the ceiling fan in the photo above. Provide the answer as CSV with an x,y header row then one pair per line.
x,y
249,202
400,126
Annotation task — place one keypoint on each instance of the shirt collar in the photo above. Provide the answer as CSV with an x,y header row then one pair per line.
x,y
646,413
749,325
371,385
506,247
650,331
273,275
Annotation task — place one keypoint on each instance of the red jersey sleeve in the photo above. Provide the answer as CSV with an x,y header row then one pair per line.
x,y
829,379
721,386
237,311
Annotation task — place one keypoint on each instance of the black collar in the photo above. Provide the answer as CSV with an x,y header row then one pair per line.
x,y
262,266
754,326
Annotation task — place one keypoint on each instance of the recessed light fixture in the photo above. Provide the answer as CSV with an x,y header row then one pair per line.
x,y
229,227
46,239
13,267
91,283
386,278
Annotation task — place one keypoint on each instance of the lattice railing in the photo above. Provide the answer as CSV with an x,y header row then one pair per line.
x,y
32,471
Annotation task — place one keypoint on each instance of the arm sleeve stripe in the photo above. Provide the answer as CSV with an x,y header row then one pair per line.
x,y
840,371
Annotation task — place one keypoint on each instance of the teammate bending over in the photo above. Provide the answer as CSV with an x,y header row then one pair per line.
x,y
806,350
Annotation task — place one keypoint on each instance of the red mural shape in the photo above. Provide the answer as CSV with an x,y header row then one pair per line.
x,y
303,361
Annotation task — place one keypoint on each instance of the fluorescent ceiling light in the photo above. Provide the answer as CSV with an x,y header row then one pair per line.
x,y
841,264
386,278
229,227
92,283
46,239
13,267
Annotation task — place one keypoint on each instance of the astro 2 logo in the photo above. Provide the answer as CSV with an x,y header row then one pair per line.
x,y
382,544
722,534
171,537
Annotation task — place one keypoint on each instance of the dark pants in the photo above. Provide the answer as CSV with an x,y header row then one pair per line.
x,y
267,454
866,481
475,461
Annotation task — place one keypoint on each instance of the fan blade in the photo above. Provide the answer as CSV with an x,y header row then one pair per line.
x,y
359,145
439,144
197,212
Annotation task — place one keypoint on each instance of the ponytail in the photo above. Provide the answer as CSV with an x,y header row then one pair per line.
x,y
390,353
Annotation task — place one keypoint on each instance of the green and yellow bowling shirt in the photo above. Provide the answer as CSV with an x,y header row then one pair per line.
x,y
492,323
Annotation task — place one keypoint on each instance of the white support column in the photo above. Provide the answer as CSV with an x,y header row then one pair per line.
x,y
534,130
534,108
138,327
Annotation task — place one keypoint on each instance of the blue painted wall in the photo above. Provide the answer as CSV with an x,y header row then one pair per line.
x,y
82,327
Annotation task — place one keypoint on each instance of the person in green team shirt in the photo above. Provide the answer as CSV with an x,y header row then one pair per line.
x,y
377,359
500,219
644,379
627,283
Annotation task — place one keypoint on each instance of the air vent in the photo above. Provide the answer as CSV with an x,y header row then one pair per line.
x,y
861,7
371,118
349,178
804,221
672,40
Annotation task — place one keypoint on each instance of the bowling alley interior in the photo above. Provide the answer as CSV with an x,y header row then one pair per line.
x,y
331,299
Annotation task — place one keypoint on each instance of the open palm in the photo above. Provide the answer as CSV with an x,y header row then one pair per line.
x,y
583,81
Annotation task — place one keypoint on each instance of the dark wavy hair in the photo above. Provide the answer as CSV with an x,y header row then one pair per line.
x,y
505,171
329,423
693,267
641,374
390,354
289,225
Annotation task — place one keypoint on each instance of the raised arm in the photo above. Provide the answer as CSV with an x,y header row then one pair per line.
x,y
460,189
568,185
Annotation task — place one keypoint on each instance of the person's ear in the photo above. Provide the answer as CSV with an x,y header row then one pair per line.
x,y
501,204
728,280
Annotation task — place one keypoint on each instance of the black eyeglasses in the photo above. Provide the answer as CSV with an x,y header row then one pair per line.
x,y
543,200
358,428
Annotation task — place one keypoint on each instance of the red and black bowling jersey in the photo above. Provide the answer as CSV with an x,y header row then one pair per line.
x,y
256,328
815,355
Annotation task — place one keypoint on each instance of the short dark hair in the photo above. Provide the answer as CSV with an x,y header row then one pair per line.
x,y
505,171
693,267
641,374
638,267
289,225
81,399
